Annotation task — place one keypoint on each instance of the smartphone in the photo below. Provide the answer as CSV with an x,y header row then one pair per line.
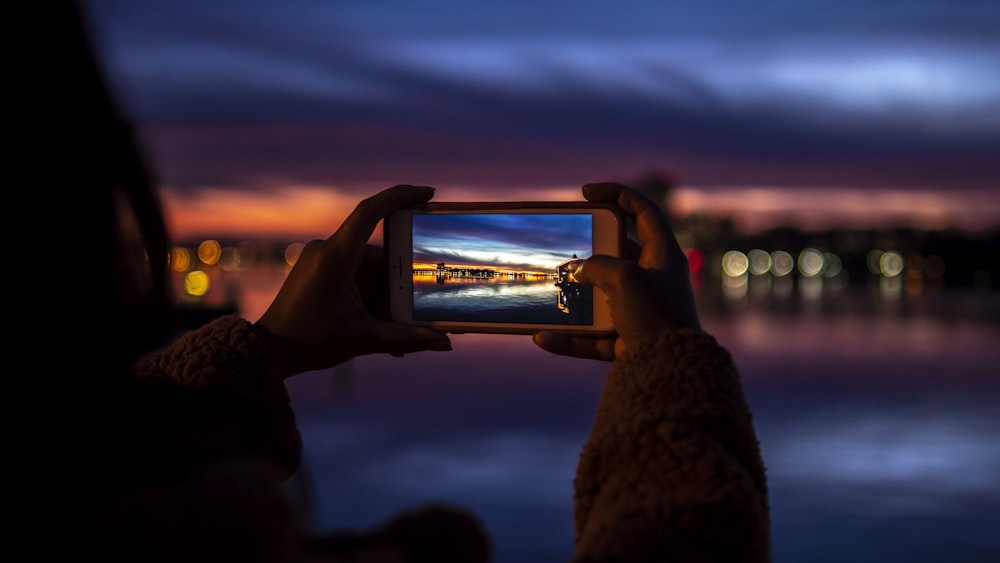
x,y
499,267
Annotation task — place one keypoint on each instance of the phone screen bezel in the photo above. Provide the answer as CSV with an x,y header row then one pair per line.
x,y
608,237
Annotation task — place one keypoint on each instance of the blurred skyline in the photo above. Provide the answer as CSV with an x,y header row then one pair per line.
x,y
274,120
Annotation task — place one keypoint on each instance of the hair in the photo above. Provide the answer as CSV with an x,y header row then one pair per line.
x,y
110,166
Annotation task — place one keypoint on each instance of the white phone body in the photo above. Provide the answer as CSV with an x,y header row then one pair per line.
x,y
499,267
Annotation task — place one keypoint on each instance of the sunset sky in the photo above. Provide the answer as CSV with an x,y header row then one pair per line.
x,y
523,243
266,118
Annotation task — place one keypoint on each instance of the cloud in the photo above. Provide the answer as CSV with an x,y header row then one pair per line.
x,y
547,96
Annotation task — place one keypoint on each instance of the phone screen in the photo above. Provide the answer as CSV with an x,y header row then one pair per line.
x,y
501,267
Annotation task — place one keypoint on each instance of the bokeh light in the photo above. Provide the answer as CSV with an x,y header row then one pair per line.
x,y
760,262
196,283
872,261
832,265
696,259
890,264
209,252
734,263
782,263
180,259
810,262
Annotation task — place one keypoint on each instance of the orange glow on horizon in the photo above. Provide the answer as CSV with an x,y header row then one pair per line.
x,y
309,212
302,213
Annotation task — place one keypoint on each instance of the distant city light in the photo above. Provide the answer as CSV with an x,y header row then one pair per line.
x,y
832,265
891,264
209,252
696,259
760,261
782,263
734,263
180,259
810,262
196,283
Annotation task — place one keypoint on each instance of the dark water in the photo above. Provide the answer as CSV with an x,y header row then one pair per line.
x,y
879,433
878,417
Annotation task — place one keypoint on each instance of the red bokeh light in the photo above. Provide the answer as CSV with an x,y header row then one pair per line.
x,y
696,259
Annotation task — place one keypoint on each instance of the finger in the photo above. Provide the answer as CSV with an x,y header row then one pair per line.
x,y
563,344
359,225
616,276
396,339
659,245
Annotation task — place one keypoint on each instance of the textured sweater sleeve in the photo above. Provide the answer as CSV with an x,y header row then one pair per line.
x,y
672,469
226,359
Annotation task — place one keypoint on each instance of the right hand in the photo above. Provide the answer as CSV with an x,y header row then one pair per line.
x,y
648,292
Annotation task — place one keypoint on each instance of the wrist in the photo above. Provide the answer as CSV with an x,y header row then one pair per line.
x,y
278,352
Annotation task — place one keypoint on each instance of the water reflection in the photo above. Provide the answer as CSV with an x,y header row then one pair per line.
x,y
522,299
885,450
878,432
482,293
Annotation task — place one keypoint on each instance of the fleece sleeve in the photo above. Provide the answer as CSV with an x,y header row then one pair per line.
x,y
672,469
226,359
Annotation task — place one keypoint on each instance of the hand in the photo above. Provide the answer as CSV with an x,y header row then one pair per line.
x,y
321,317
648,291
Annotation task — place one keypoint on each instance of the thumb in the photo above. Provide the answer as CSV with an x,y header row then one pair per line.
x,y
608,273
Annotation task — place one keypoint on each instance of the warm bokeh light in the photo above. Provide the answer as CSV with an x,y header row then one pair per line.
x,y
196,283
209,252
782,263
760,262
810,262
180,259
734,263
890,264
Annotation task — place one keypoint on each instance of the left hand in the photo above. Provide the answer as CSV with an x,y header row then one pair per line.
x,y
321,317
